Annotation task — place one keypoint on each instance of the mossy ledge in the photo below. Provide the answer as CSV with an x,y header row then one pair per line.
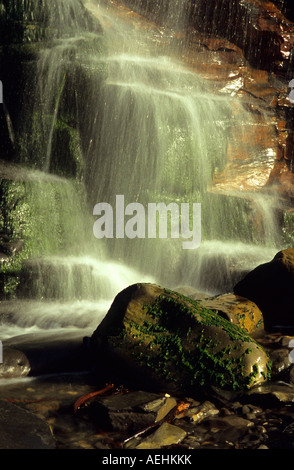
x,y
177,341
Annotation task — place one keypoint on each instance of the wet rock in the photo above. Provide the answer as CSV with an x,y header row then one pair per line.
x,y
128,413
126,402
220,431
271,287
22,23
166,435
162,338
260,30
44,353
169,404
15,364
284,341
280,361
255,436
201,412
20,429
154,405
237,310
227,422
271,394
125,422
250,411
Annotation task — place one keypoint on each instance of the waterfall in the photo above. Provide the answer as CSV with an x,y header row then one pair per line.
x,y
115,113
162,136
174,14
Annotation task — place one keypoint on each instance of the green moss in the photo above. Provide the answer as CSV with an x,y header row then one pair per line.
x,y
179,342
204,316
46,216
66,157
288,228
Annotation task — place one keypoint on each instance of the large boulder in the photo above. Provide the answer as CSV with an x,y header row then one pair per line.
x,y
271,287
155,337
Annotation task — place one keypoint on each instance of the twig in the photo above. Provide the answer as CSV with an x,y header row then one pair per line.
x,y
87,397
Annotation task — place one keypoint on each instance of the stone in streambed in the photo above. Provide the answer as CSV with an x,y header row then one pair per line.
x,y
158,338
220,430
20,429
44,353
15,364
270,394
271,287
166,435
199,413
128,412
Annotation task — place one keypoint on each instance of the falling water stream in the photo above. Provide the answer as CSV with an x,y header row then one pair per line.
x,y
150,129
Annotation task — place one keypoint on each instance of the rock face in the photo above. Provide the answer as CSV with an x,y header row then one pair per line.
x,y
271,287
160,338
260,29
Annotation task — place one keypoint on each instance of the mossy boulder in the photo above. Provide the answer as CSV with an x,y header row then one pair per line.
x,y
170,340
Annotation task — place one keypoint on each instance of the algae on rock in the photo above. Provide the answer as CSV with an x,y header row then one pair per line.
x,y
175,340
43,212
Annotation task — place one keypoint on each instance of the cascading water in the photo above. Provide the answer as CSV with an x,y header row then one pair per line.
x,y
163,134
143,126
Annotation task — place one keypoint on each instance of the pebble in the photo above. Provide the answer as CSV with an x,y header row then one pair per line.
x,y
280,360
203,411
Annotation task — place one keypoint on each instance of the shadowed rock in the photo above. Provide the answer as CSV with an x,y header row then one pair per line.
x,y
44,353
20,429
271,287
